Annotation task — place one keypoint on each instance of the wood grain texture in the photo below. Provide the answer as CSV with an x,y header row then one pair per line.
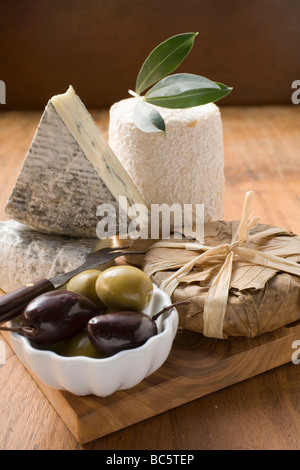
x,y
197,366
99,47
261,153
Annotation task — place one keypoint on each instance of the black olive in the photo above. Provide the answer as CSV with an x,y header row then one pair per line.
x,y
113,332
54,316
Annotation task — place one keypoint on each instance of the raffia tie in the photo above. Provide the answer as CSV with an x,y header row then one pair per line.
x,y
217,297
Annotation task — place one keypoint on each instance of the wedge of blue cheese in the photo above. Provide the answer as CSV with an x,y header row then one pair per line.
x,y
68,172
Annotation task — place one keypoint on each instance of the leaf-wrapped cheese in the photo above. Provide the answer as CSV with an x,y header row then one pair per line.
x,y
264,280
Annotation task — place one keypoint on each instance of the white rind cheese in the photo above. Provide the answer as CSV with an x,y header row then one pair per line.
x,y
184,167
28,255
68,172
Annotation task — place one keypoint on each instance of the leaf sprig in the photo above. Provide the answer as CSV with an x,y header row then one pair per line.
x,y
181,90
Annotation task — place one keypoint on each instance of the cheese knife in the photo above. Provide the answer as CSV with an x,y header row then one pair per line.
x,y
13,303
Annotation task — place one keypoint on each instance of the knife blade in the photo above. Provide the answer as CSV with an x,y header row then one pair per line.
x,y
13,303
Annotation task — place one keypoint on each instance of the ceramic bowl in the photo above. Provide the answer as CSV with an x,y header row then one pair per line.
x,y
101,377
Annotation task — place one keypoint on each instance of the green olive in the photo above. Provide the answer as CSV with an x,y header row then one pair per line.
x,y
85,283
80,345
111,310
55,347
125,288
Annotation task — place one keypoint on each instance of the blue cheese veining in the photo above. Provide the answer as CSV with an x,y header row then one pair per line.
x,y
68,172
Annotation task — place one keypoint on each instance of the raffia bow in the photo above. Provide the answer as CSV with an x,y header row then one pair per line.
x,y
223,256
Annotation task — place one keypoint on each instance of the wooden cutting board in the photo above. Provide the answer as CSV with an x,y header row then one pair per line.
x,y
196,366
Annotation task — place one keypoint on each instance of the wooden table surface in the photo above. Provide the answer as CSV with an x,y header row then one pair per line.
x,y
262,153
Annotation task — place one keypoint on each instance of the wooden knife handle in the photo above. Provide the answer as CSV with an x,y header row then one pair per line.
x,y
13,303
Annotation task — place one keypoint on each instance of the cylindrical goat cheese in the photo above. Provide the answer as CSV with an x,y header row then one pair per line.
x,y
183,166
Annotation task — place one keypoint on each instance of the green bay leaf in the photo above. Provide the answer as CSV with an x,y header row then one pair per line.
x,y
147,118
185,91
179,83
164,59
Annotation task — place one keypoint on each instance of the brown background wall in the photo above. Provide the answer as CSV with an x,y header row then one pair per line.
x,y
98,46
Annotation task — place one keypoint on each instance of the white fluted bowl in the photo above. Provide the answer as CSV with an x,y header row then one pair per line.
x,y
101,377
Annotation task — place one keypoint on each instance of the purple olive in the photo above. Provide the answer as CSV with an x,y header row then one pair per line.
x,y
113,332
56,315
